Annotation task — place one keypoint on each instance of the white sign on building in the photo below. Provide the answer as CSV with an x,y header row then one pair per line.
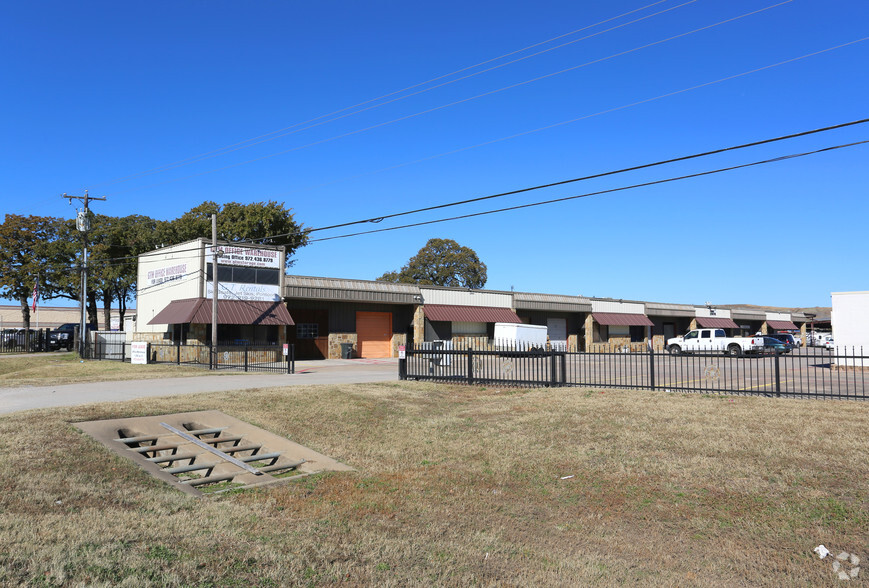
x,y
245,256
233,291
165,274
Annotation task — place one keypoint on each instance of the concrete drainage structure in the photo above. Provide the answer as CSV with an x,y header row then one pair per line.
x,y
208,451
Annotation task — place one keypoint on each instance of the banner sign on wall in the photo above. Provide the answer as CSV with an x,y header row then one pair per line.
x,y
166,274
233,291
245,256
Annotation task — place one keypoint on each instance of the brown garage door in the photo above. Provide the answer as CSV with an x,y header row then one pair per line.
x,y
374,334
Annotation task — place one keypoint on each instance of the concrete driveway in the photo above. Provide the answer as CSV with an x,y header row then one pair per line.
x,y
330,371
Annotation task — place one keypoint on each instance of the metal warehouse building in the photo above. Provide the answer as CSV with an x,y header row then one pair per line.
x,y
322,317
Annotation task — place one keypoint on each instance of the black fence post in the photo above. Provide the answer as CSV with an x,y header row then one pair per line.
x,y
246,348
651,367
178,352
211,357
553,378
777,375
470,367
563,357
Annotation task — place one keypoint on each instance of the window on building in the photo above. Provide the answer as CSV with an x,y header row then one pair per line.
x,y
244,275
307,330
268,276
245,334
619,331
177,334
469,329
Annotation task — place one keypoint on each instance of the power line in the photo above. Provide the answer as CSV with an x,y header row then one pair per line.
x,y
609,191
585,117
283,132
542,186
454,103
589,177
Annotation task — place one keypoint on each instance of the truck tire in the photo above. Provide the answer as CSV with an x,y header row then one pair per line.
x,y
734,350
675,350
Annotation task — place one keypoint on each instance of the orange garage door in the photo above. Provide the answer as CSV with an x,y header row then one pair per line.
x,y
374,334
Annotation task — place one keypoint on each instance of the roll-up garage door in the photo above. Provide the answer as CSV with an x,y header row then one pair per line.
x,y
374,334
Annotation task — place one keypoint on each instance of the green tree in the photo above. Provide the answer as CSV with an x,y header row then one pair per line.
x,y
241,222
442,262
66,255
115,244
25,256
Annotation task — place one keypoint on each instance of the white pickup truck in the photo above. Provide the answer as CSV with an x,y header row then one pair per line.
x,y
712,340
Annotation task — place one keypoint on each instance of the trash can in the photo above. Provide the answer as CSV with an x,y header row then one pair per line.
x,y
346,350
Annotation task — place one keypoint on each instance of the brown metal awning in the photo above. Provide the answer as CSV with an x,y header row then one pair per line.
x,y
229,312
624,319
708,322
177,312
469,314
782,325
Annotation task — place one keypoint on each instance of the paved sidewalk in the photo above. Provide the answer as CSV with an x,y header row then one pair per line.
x,y
332,371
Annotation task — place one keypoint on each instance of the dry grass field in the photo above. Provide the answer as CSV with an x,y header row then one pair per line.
x,y
48,369
455,486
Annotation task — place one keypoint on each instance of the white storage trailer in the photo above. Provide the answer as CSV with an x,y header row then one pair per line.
x,y
850,318
520,335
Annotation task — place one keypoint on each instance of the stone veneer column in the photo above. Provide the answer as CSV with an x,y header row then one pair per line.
x,y
693,324
398,339
764,329
334,345
418,326
589,332
803,334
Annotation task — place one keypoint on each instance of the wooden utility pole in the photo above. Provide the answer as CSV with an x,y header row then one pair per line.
x,y
214,290
83,224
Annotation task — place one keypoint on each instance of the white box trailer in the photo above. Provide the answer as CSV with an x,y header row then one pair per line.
x,y
520,335
850,318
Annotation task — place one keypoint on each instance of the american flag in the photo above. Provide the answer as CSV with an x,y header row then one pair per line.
x,y
35,294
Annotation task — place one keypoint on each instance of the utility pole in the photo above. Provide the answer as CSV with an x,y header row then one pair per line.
x,y
83,224
214,290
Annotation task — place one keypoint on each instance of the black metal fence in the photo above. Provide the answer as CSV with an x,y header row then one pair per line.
x,y
249,358
16,341
804,372
113,346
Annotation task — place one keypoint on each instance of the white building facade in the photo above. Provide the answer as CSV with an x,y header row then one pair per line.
x,y
176,287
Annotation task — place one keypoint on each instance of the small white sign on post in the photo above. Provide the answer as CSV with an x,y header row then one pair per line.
x,y
139,352
286,349
401,352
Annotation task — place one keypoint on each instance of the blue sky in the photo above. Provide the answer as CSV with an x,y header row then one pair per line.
x,y
97,91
